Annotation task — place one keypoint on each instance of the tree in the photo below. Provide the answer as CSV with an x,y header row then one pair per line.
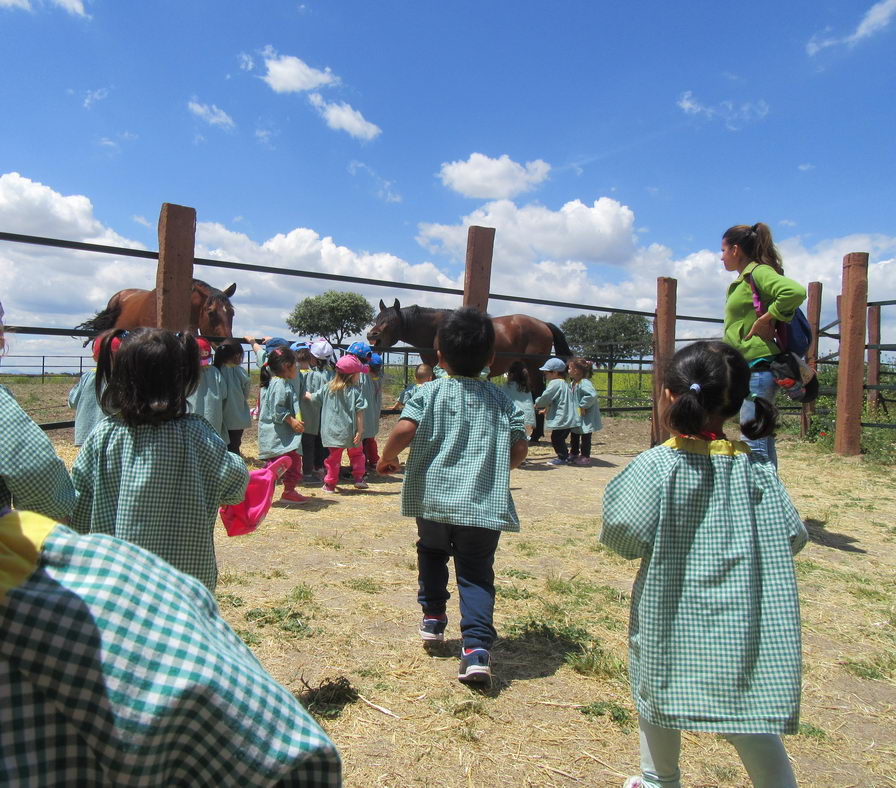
x,y
332,315
608,339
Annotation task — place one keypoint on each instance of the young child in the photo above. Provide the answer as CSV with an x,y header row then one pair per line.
x,y
374,396
714,638
236,386
310,380
559,410
279,428
324,372
83,399
151,473
342,421
585,398
465,436
520,393
208,398
422,374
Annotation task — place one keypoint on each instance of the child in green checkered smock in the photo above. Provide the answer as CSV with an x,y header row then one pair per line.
x,y
714,637
211,392
151,473
235,379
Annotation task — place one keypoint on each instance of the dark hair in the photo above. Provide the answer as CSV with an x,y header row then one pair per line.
x,y
756,243
303,354
583,365
148,378
276,362
517,373
466,339
228,351
709,379
423,371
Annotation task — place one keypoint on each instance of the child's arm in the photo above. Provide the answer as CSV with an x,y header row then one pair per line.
x,y
518,451
399,439
295,424
632,504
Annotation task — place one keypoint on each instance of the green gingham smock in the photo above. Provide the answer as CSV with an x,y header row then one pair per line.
x,y
88,412
458,469
276,401
584,397
560,410
408,392
208,400
116,669
339,415
714,633
31,475
315,379
523,400
236,384
159,487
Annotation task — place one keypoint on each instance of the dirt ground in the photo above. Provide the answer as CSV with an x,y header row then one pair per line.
x,y
325,595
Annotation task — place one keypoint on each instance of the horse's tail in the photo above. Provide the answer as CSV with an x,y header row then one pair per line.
x,y
560,346
100,321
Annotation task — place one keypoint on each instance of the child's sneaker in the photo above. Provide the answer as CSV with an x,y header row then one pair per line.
x,y
474,666
557,461
327,488
583,460
433,627
291,496
360,484
633,782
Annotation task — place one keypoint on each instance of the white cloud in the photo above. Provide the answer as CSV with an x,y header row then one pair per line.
x,y
23,4
876,19
211,114
805,167
289,74
493,179
75,7
384,188
264,137
142,220
735,116
339,116
787,223
246,62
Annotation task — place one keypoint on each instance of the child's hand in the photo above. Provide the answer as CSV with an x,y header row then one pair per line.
x,y
357,438
541,412
385,466
297,426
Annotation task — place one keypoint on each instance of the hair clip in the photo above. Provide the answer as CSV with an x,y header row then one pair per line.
x,y
695,387
752,396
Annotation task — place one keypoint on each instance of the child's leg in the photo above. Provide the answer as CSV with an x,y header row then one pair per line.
x,y
558,441
321,454
309,447
586,444
371,452
236,438
474,558
293,474
574,444
356,459
660,748
433,552
764,758
331,465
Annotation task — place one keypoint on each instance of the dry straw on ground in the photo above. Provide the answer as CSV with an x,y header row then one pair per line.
x,y
325,596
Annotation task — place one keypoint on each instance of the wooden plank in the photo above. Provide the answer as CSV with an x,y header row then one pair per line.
x,y
174,275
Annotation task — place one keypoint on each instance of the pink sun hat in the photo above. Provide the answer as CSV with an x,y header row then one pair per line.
x,y
350,365
245,516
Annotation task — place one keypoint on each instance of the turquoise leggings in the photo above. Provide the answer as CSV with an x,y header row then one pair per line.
x,y
763,756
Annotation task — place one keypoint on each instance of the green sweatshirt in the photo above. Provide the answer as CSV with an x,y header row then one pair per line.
x,y
781,296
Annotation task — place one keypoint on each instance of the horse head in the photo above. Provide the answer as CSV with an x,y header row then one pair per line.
x,y
387,326
215,309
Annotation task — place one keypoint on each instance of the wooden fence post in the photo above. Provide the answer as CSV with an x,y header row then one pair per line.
x,y
813,315
663,347
851,375
478,276
874,395
174,276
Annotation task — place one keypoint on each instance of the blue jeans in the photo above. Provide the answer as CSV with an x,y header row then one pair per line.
x,y
474,557
762,384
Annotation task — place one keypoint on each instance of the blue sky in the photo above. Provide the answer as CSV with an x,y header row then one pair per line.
x,y
608,144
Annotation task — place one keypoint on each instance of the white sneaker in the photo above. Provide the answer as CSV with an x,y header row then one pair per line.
x,y
633,782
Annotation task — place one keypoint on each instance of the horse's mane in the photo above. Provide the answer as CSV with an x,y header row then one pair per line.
x,y
212,293
415,311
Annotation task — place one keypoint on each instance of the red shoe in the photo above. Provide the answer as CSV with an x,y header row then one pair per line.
x,y
291,496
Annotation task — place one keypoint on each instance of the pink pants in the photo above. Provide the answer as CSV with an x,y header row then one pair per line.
x,y
334,460
370,451
293,474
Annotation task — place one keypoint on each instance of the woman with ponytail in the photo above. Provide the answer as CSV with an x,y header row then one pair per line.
x,y
714,637
750,252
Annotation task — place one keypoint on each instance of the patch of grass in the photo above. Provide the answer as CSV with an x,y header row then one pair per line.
x,y
864,592
366,585
519,574
328,542
249,638
605,708
882,666
288,615
329,698
555,632
592,660
811,731
468,708
229,577
231,600
371,671
526,548
723,773
512,592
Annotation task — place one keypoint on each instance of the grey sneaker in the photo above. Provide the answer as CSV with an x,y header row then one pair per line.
x,y
433,628
474,666
361,485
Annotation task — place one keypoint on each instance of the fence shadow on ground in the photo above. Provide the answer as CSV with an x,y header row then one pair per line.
x,y
819,535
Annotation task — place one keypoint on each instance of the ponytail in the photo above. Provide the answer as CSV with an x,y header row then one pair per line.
x,y
755,241
764,421
277,361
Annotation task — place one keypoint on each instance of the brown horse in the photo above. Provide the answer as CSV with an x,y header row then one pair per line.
x,y
516,337
211,313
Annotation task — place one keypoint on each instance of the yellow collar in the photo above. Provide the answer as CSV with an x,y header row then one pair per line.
x,y
698,446
22,535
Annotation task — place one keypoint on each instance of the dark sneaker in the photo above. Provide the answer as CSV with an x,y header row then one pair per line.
x,y
474,666
557,461
433,628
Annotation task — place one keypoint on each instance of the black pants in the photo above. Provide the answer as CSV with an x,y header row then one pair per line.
x,y
311,459
585,441
236,438
558,441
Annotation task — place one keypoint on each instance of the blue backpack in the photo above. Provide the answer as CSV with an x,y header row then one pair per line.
x,y
793,337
